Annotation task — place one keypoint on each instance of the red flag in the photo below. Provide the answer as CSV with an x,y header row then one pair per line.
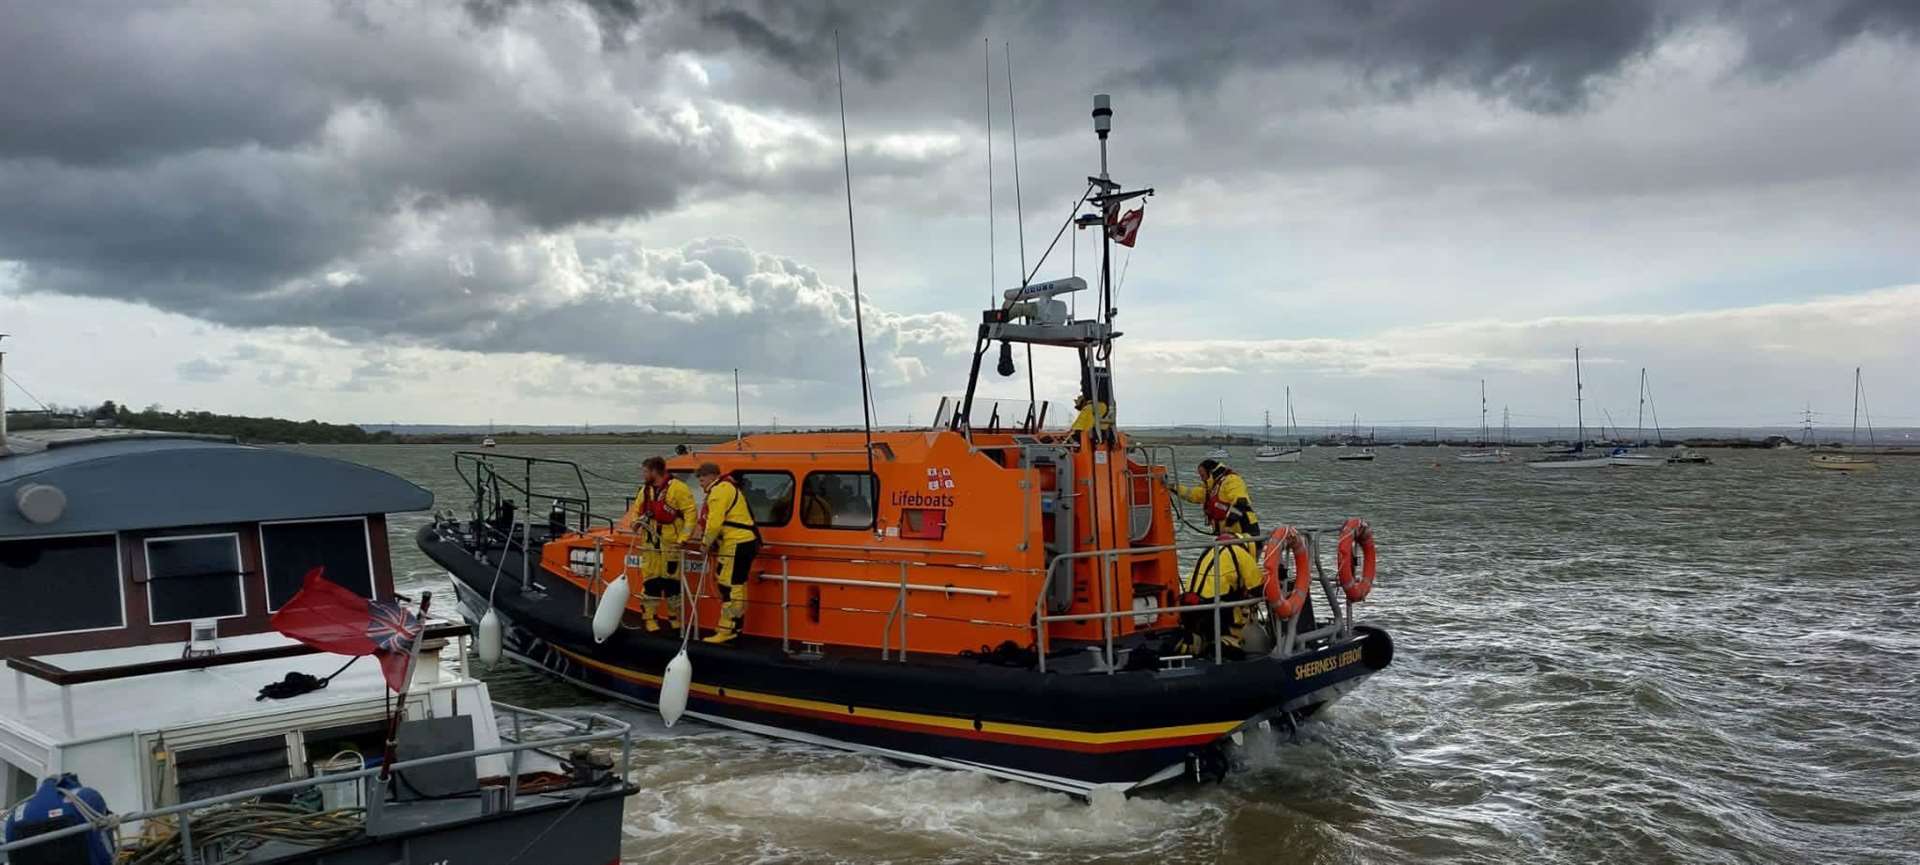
x,y
1125,227
328,617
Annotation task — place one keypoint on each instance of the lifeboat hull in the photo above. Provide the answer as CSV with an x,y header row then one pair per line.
x,y
1073,732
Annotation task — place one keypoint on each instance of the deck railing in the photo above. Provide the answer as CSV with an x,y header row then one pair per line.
x,y
1289,637
610,729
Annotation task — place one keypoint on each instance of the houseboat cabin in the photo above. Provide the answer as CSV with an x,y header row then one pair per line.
x,y
139,573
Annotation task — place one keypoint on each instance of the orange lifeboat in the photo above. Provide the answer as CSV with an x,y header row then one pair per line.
x,y
989,593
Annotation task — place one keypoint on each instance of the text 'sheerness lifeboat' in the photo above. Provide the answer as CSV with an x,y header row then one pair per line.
x,y
977,595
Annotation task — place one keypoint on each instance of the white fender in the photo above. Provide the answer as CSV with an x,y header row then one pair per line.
x,y
613,605
488,642
674,686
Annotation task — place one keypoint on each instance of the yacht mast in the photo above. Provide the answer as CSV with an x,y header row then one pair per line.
x,y
1640,420
1579,408
1483,412
1856,407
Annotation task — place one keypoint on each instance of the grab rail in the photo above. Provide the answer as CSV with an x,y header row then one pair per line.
x,y
1106,614
615,729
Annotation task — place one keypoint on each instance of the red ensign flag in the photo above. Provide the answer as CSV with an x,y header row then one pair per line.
x,y
1125,227
328,617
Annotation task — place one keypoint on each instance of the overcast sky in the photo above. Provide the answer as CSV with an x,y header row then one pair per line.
x,y
563,212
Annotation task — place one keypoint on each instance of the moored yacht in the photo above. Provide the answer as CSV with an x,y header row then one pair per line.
x,y
1850,462
146,574
1576,456
1001,598
1482,452
1268,453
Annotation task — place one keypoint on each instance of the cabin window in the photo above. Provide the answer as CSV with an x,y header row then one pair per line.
x,y
194,577
769,496
60,585
293,549
838,500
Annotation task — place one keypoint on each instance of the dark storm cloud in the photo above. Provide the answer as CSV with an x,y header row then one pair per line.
x,y
410,172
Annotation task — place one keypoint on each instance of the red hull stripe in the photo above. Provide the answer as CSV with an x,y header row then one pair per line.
x,y
938,725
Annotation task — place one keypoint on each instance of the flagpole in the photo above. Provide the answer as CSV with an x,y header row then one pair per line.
x,y
400,702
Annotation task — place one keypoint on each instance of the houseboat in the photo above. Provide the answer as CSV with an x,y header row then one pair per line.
x,y
985,593
142,572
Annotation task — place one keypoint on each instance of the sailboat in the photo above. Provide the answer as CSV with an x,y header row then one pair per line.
x,y
1270,454
1219,451
1851,462
1363,455
1483,454
1575,457
1632,457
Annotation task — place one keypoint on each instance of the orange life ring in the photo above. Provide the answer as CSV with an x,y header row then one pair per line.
x,y
1354,533
1284,538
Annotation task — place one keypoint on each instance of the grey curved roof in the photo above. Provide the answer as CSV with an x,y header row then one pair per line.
x,y
126,481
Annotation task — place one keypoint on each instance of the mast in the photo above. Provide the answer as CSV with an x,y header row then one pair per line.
x,y
853,258
1483,413
993,277
1579,409
1291,431
1506,425
1856,407
1266,434
1640,420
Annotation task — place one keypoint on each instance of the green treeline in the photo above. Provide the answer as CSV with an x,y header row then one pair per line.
x,y
264,430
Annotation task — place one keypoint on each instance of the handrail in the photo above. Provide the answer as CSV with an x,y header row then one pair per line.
x,y
616,728
1106,614
475,484
876,584
864,548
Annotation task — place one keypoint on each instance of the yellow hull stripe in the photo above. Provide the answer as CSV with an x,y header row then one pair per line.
x,y
947,722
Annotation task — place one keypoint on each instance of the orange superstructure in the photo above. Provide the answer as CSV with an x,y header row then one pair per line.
x,y
966,523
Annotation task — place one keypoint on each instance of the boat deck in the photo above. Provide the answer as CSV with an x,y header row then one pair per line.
x,y
54,715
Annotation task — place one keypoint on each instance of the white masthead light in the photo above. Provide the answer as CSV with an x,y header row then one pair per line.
x,y
1102,114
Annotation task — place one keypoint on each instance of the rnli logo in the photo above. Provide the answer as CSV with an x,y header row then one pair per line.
x,y
1328,664
939,479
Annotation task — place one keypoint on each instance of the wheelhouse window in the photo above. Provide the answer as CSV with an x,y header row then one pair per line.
x,y
769,496
60,585
194,577
838,500
338,546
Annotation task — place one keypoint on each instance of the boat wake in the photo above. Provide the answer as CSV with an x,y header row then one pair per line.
x,y
710,795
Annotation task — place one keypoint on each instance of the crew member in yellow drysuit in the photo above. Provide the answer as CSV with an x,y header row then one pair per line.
x,y
1232,573
662,512
1222,573
1093,415
1223,495
727,532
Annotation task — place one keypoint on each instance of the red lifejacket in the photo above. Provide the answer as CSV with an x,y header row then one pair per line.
x,y
657,508
1216,508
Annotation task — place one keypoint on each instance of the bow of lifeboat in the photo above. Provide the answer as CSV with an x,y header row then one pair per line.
x,y
998,602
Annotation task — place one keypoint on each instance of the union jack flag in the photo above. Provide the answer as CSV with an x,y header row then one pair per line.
x,y
391,627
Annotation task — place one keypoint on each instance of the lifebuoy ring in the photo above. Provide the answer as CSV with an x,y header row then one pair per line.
x,y
1284,538
1356,533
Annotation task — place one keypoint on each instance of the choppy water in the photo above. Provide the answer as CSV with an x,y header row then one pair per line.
x,y
1690,664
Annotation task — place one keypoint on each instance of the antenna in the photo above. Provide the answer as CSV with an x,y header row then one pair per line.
x,y
993,278
1013,127
739,432
1020,217
853,257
